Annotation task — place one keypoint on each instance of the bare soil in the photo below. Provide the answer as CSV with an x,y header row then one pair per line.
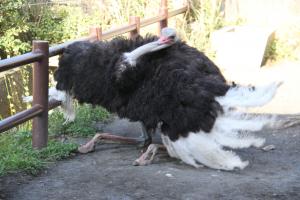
x,y
108,173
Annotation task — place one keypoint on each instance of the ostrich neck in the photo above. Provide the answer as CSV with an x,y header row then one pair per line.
x,y
146,48
132,56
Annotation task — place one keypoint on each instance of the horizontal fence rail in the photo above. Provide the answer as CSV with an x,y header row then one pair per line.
x,y
20,60
40,57
58,49
20,117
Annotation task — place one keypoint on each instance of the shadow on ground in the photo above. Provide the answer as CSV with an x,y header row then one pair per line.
x,y
107,173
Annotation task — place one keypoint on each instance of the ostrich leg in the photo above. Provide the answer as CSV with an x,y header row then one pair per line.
x,y
90,145
147,136
147,157
145,139
149,150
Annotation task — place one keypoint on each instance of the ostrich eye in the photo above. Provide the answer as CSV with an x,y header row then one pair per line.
x,y
172,37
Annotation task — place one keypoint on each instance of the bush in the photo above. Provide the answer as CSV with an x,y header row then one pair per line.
x,y
13,28
16,153
86,116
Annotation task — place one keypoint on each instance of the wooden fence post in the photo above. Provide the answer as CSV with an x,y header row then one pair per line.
x,y
40,94
163,10
96,32
134,20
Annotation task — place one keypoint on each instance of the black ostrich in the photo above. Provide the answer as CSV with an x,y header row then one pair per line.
x,y
165,84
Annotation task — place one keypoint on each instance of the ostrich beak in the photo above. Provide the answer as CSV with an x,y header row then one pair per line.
x,y
164,40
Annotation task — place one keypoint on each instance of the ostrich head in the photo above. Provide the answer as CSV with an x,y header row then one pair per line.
x,y
168,37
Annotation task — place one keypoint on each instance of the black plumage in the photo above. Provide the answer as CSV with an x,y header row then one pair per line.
x,y
175,87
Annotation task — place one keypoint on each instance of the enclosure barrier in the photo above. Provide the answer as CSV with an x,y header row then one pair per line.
x,y
40,58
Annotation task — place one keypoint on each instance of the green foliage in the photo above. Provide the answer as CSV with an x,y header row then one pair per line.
x,y
280,49
12,87
204,17
86,116
22,21
13,26
49,25
16,153
11,44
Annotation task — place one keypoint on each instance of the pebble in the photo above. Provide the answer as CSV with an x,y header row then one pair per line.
x,y
169,175
269,147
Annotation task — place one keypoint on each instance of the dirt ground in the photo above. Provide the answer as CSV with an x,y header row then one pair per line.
x,y
108,173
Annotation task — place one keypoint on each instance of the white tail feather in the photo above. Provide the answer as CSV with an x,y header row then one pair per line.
x,y
231,129
232,120
27,99
207,148
68,108
200,148
241,96
65,98
53,94
57,95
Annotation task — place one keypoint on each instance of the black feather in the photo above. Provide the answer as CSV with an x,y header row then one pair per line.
x,y
176,86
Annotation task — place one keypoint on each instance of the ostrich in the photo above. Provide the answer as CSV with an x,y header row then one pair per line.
x,y
167,85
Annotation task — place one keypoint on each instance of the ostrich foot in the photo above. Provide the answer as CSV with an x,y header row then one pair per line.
x,y
147,157
144,144
90,145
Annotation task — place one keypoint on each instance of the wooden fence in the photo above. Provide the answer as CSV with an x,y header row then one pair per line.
x,y
40,58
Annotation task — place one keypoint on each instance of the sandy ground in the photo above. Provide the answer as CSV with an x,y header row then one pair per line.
x,y
108,173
